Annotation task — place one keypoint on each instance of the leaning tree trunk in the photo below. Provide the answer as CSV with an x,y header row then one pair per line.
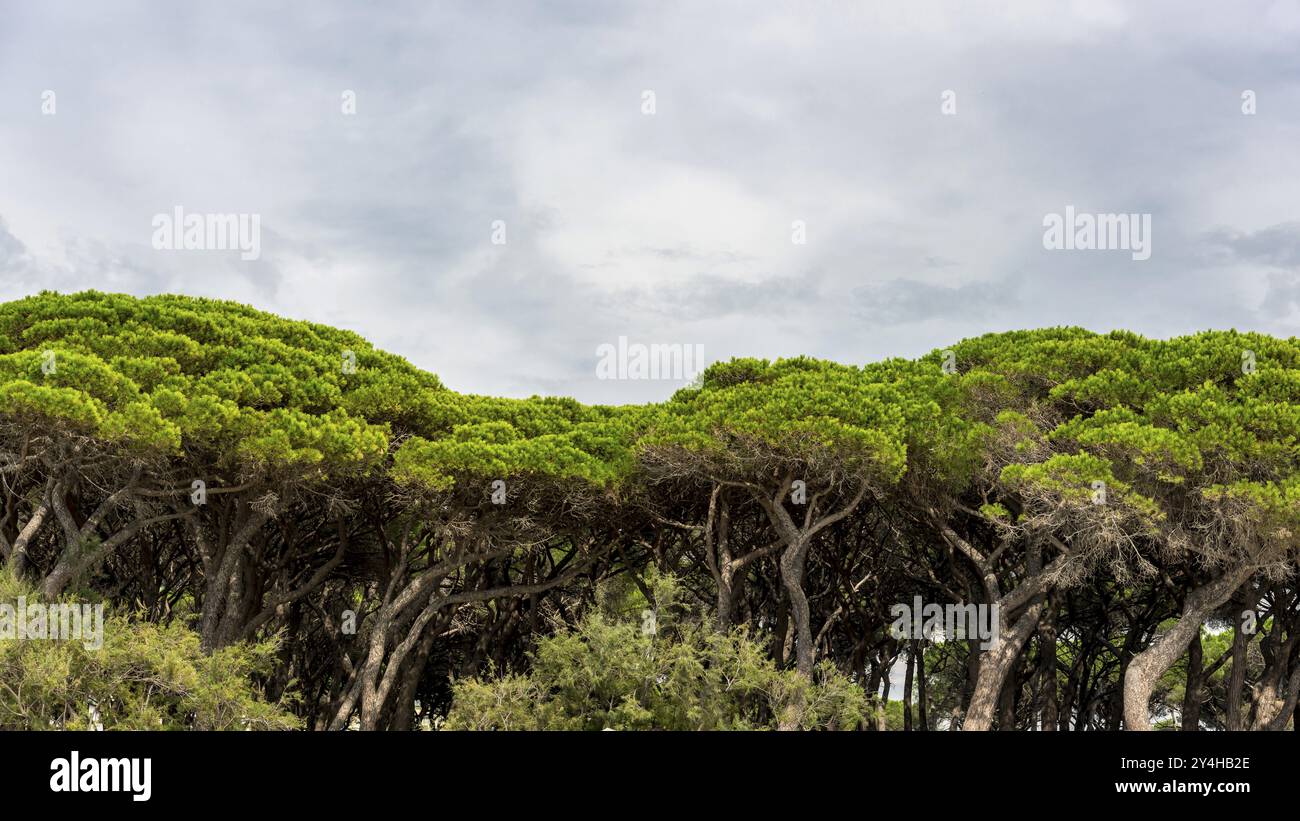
x,y
995,664
1147,667
18,559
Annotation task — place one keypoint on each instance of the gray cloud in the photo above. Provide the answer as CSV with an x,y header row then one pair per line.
x,y
1282,299
1276,245
902,302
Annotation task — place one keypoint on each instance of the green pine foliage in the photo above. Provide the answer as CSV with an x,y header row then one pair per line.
x,y
350,472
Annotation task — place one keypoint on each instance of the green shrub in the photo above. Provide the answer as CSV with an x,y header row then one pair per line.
x,y
615,673
144,676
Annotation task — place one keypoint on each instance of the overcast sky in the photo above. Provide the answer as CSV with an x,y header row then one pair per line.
x,y
674,227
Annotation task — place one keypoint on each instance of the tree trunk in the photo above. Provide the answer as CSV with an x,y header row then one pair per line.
x,y
1236,676
922,705
1275,696
1007,701
18,553
793,559
1047,697
1147,667
780,635
726,567
995,664
224,590
403,717
907,686
883,710
1192,687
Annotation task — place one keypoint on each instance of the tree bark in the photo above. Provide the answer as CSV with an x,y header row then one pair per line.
x,y
1147,667
1047,696
1274,697
907,685
1193,685
995,664
1237,675
797,540
793,560
922,705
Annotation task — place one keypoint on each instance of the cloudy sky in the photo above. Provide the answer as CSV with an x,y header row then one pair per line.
x,y
675,226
